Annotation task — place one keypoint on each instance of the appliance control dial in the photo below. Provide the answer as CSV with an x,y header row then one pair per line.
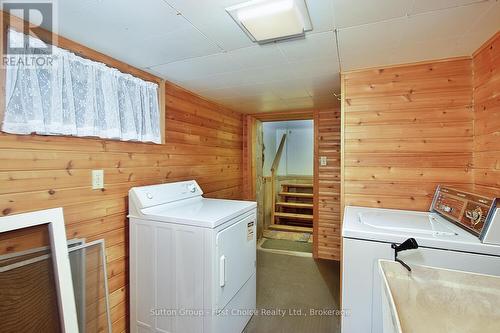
x,y
192,188
446,209
474,215
149,195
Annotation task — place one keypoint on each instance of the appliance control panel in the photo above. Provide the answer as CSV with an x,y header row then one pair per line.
x,y
152,195
467,210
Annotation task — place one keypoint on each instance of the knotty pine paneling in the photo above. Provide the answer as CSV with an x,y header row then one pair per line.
x,y
486,67
406,129
327,184
203,142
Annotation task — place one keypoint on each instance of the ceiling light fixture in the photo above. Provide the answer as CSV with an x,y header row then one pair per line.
x,y
266,21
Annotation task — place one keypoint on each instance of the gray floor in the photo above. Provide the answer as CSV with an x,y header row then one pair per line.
x,y
291,283
287,245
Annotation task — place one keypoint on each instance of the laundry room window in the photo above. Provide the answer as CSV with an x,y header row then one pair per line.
x,y
75,96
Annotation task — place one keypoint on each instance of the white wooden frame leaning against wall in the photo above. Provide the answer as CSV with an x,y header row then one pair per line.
x,y
54,220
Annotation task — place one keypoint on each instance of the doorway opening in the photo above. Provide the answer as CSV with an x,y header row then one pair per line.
x,y
286,188
289,206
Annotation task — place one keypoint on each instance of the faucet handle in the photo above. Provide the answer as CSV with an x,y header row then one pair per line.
x,y
409,244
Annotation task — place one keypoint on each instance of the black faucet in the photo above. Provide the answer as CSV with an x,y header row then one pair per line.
x,y
409,244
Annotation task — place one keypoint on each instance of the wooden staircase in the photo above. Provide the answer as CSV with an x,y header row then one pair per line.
x,y
293,211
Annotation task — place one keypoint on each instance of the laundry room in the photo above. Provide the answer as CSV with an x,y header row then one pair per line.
x,y
250,166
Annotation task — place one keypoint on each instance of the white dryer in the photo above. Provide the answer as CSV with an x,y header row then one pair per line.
x,y
447,237
192,260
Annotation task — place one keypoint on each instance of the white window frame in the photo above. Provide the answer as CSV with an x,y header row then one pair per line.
x,y
54,219
102,248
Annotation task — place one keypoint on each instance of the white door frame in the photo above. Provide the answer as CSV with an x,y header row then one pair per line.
x,y
54,219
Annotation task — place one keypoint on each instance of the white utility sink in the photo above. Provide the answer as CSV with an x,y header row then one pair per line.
x,y
407,222
434,300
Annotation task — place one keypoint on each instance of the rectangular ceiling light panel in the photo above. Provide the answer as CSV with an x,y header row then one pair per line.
x,y
266,21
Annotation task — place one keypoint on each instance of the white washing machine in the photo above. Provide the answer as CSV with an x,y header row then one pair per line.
x,y
192,260
448,237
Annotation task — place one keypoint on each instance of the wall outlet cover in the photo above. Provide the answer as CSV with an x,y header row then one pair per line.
x,y
97,179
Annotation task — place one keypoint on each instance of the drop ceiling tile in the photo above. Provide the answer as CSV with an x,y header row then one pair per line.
x,y
430,49
358,60
162,37
289,89
350,13
299,103
283,72
88,19
212,18
194,68
258,56
313,68
272,106
268,97
483,28
321,13
68,6
220,27
323,85
184,44
371,44
373,35
314,46
257,90
256,106
199,85
420,6
221,94
443,24
240,78
147,52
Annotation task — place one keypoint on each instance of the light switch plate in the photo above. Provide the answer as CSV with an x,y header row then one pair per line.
x,y
323,161
97,179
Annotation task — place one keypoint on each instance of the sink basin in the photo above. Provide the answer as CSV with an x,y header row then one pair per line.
x,y
406,222
434,300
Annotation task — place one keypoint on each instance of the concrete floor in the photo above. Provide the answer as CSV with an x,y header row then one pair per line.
x,y
292,283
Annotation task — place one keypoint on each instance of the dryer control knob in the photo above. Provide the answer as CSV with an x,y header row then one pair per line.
x,y
149,195
446,209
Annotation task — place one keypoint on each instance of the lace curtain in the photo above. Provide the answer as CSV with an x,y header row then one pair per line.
x,y
80,97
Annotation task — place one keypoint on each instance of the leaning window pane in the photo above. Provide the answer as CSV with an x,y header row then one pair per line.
x,y
28,293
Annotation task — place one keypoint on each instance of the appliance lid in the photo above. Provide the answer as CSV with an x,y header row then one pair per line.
x,y
406,222
395,226
198,211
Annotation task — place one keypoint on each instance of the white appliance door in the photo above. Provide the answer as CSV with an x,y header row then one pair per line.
x,y
236,254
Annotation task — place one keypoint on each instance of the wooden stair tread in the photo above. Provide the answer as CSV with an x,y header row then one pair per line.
x,y
297,185
295,204
283,227
294,216
296,194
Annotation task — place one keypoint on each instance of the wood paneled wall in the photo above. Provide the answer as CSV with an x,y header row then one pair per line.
x,y
406,129
486,68
203,142
327,224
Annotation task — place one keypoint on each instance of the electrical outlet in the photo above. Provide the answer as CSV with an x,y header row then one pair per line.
x,y
323,161
97,179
